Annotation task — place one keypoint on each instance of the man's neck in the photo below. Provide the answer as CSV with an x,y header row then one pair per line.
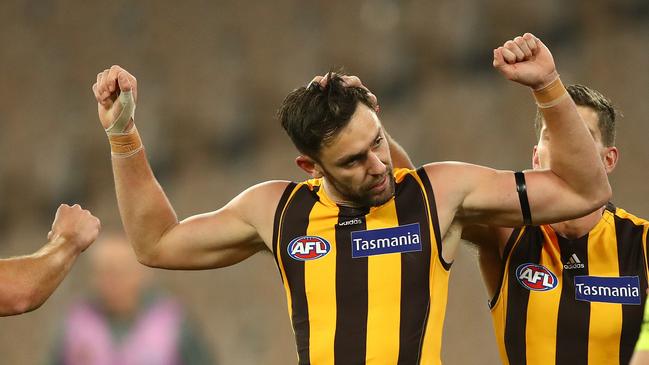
x,y
578,227
333,195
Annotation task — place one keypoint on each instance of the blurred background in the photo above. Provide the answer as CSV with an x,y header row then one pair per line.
x,y
211,75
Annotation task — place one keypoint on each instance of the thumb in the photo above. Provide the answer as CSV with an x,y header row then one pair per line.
x,y
124,82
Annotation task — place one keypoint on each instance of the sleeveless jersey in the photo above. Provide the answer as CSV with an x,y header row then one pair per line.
x,y
363,286
573,302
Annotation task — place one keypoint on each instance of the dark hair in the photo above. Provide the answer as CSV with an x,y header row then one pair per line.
x,y
585,96
313,115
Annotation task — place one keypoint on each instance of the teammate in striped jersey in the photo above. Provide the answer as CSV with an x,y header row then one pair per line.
x,y
359,244
570,292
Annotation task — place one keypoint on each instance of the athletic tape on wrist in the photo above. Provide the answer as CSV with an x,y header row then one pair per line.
x,y
550,95
128,112
123,142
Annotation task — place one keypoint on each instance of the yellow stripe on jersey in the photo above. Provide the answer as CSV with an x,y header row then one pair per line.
x,y
320,284
605,318
384,294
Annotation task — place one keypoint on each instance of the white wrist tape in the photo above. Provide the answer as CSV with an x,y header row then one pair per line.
x,y
124,143
127,102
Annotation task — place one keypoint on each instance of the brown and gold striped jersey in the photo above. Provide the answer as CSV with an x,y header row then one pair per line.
x,y
363,286
570,302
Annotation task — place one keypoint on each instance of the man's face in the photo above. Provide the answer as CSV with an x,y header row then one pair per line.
x,y
541,158
117,277
356,164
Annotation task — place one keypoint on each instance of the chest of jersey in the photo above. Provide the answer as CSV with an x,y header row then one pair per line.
x,y
358,281
566,300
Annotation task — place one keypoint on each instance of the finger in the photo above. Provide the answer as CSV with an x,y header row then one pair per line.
x,y
353,81
325,79
502,56
316,80
530,39
374,100
508,55
513,47
539,44
125,81
103,89
99,77
95,87
522,44
498,61
112,75
94,91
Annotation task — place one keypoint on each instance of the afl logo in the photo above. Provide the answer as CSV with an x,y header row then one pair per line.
x,y
536,277
307,248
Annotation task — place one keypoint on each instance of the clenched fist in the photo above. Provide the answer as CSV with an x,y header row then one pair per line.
x,y
526,60
116,94
75,225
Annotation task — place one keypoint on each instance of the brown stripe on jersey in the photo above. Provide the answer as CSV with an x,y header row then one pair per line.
x,y
277,219
508,247
423,176
415,267
293,225
574,315
528,250
351,293
631,262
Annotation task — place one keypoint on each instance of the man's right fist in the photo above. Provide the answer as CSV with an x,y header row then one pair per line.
x,y
110,84
526,60
75,225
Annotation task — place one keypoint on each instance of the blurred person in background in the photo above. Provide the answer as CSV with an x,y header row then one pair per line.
x,y
27,281
125,320
359,246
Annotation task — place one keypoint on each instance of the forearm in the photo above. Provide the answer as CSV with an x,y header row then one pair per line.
x,y
27,281
144,208
573,153
398,154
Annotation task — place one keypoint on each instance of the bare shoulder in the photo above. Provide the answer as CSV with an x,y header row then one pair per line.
x,y
260,198
258,203
452,177
265,192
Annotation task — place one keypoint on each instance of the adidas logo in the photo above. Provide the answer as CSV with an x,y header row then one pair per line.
x,y
573,263
351,222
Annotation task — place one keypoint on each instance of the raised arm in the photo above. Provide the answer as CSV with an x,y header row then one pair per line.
x,y
27,281
576,183
209,240
398,154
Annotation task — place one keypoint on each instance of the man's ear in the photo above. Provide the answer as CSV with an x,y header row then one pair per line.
x,y
307,164
535,158
610,159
